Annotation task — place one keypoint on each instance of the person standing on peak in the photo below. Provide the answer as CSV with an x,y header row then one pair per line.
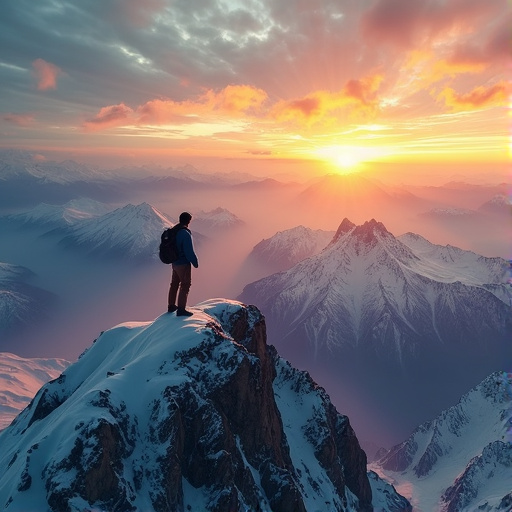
x,y
182,268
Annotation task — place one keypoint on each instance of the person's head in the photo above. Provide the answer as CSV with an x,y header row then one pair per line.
x,y
185,218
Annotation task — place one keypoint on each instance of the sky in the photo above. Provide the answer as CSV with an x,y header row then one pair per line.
x,y
255,83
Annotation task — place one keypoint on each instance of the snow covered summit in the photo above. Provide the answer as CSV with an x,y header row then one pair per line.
x,y
186,414
131,232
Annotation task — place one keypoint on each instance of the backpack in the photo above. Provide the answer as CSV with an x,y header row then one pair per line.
x,y
168,250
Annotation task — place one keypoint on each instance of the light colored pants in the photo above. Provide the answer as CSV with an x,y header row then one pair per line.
x,y
181,279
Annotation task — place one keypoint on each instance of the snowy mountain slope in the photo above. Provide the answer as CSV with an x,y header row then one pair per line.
x,y
286,248
215,221
72,212
20,302
462,460
370,289
186,414
373,315
450,264
131,232
21,379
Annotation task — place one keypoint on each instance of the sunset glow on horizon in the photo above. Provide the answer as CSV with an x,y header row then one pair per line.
x,y
336,82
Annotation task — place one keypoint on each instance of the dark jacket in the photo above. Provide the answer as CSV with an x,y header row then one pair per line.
x,y
185,246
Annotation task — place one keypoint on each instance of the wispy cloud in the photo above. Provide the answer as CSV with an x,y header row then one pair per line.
x,y
23,120
46,74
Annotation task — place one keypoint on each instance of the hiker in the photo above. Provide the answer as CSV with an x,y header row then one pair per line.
x,y
182,268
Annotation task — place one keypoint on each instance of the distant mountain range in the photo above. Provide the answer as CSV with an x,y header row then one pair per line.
x,y
215,221
497,205
373,308
130,233
26,178
287,248
20,380
52,215
462,460
21,303
195,414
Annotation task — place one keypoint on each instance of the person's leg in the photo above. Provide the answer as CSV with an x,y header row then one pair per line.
x,y
173,291
185,275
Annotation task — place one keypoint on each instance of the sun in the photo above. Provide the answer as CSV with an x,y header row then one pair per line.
x,y
348,159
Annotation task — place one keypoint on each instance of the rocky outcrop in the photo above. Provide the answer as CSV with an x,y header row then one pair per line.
x,y
181,415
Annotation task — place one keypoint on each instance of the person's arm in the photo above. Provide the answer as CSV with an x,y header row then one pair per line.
x,y
188,249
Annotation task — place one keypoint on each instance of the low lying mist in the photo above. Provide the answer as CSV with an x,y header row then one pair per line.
x,y
95,294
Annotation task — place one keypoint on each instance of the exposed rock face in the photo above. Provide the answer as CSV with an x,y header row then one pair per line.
x,y
179,415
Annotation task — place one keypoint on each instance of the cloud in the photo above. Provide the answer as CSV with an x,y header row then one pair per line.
x,y
407,23
109,117
232,101
357,99
480,97
493,48
139,14
46,74
23,120
256,67
236,99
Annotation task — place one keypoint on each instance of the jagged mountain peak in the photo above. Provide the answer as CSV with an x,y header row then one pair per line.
x,y
369,230
345,226
371,237
185,414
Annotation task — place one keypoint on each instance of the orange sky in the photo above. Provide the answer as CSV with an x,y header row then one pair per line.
x,y
242,83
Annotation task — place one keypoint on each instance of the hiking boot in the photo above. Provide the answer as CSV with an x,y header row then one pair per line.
x,y
172,309
183,312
